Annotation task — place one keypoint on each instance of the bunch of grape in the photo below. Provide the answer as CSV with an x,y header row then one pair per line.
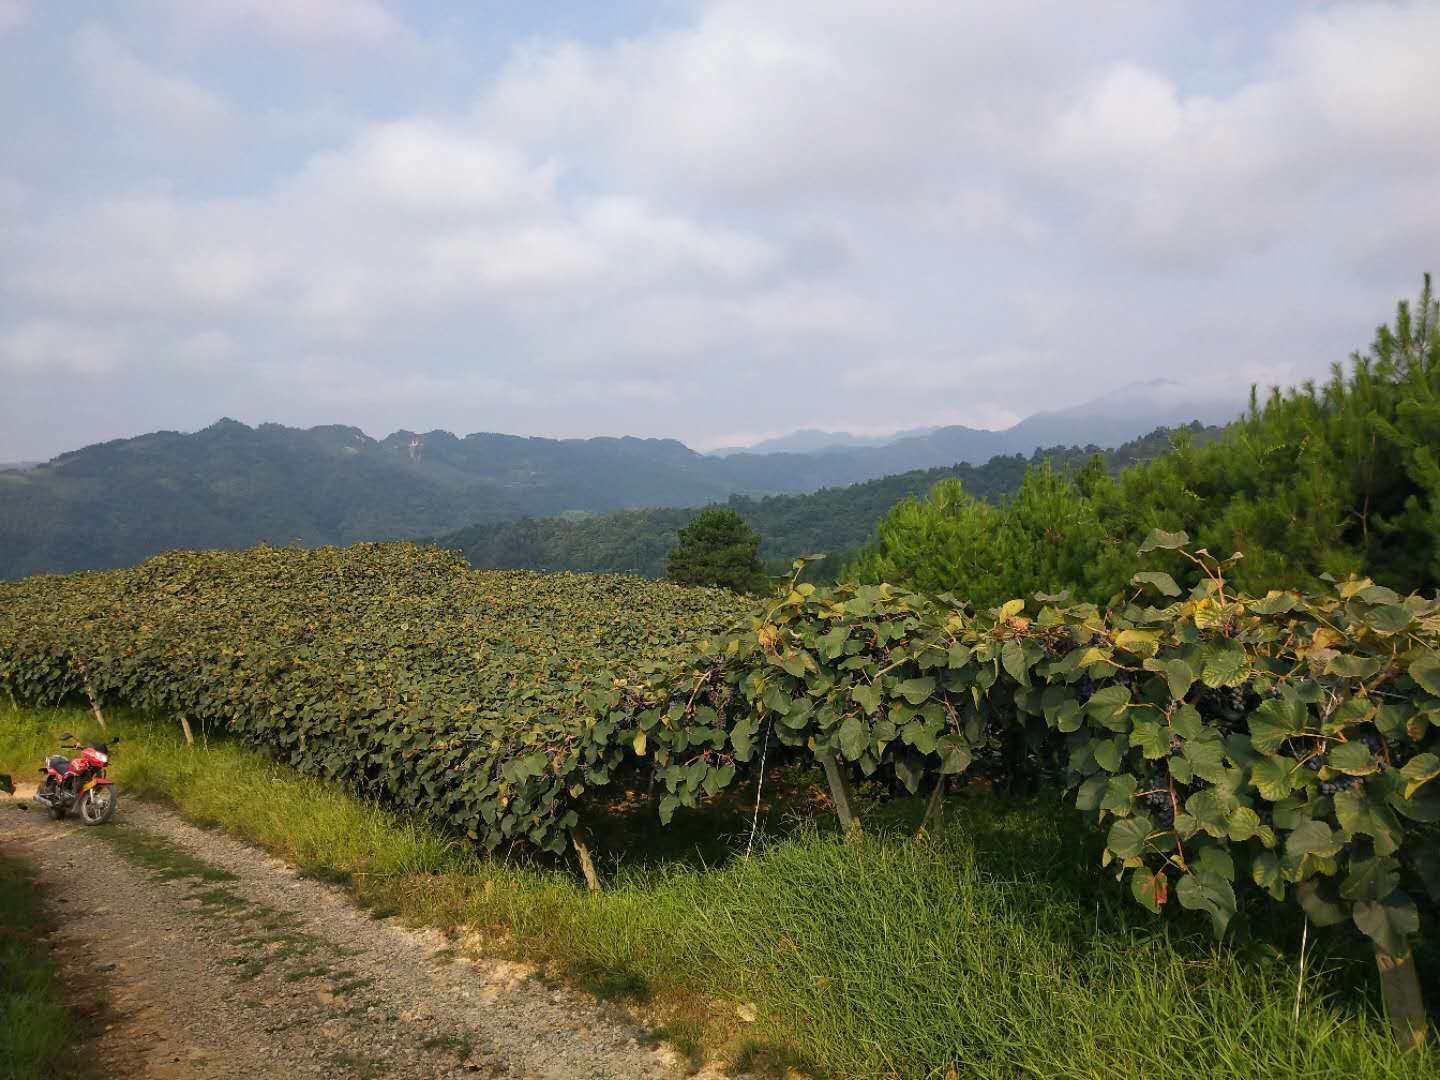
x,y
1157,799
1085,689
1057,643
1376,746
1338,783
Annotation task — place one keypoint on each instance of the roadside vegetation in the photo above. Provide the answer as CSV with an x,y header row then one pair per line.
x,y
35,1027
992,949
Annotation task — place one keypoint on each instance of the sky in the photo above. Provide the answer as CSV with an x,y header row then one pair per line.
x,y
714,220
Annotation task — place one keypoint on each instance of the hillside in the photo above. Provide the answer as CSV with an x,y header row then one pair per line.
x,y
833,520
231,485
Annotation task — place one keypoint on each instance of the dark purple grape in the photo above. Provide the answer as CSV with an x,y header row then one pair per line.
x,y
1338,784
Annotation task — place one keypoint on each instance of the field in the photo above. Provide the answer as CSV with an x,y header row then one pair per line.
x,y
993,950
460,732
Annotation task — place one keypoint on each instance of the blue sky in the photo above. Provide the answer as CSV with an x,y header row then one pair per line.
x,y
709,220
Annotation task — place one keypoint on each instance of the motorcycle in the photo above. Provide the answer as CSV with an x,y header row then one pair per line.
x,y
79,783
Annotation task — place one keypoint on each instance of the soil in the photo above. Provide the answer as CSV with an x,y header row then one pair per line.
x,y
191,955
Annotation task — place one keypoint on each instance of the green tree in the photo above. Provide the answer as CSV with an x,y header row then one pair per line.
x,y
718,548
1043,537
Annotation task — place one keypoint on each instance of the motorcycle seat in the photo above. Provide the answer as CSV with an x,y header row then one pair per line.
x,y
60,764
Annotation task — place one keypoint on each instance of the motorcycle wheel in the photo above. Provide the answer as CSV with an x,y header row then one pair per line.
x,y
97,806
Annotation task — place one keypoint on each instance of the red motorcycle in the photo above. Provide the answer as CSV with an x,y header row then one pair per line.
x,y
79,783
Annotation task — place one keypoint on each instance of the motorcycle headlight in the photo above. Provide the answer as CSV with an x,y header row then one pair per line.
x,y
104,759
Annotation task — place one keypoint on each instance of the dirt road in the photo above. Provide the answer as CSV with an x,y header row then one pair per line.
x,y
197,956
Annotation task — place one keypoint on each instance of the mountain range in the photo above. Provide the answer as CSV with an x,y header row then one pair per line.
x,y
834,522
1125,413
232,485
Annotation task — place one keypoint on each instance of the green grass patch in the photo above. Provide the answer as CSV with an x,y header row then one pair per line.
x,y
996,949
163,860
35,1028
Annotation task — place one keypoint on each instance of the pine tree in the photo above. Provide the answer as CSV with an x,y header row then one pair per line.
x,y
719,549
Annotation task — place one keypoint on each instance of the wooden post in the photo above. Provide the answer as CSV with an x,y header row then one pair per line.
x,y
185,726
1400,987
841,795
95,707
587,864
934,809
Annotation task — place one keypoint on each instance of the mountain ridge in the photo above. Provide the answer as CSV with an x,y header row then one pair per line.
x,y
232,485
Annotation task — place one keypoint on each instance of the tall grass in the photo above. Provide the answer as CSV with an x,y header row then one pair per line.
x,y
35,1027
995,951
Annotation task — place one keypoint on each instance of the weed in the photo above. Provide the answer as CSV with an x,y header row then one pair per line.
x,y
35,1028
347,987
301,974
163,860
462,1046
362,1068
609,983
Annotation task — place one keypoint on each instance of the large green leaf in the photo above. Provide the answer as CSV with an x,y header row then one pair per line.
x,y
1210,893
1419,771
1161,581
1127,837
1389,923
1425,670
1160,539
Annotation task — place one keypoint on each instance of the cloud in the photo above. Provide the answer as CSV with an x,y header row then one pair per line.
x,y
800,99
297,22
1202,178
170,103
39,345
754,214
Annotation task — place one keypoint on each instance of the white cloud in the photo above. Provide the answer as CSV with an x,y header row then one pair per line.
x,y
170,103
1201,177
972,212
301,22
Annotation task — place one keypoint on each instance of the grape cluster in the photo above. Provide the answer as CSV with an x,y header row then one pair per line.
x,y
1338,783
1157,799
1376,745
1058,643
1085,689
1230,702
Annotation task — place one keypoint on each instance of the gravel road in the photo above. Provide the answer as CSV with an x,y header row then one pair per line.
x,y
193,955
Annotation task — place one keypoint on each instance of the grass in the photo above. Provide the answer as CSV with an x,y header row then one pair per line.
x,y
35,1027
994,950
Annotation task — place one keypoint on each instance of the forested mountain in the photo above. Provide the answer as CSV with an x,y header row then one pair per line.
x,y
835,521
231,485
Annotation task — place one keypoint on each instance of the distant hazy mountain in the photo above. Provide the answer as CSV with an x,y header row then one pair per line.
x,y
17,466
231,485
1118,417
809,440
1125,413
